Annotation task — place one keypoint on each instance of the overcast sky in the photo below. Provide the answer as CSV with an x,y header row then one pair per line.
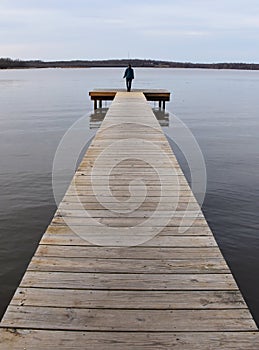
x,y
176,30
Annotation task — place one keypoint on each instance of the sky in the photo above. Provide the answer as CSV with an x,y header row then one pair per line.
x,y
173,30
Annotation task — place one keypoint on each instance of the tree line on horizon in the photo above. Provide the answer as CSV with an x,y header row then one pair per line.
x,y
8,63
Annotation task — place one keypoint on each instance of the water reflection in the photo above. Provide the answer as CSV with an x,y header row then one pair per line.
x,y
98,115
162,116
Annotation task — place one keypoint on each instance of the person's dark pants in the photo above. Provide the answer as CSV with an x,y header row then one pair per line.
x,y
128,84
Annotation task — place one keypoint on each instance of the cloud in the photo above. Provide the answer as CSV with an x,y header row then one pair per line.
x,y
169,29
171,33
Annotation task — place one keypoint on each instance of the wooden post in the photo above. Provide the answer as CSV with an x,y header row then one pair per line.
x,y
95,104
100,103
160,103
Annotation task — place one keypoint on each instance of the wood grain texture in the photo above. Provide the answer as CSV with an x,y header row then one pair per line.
x,y
128,265
129,281
110,299
139,252
30,339
128,320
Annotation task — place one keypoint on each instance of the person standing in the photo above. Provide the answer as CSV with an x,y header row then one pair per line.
x,y
129,75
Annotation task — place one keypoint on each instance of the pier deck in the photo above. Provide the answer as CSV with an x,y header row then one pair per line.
x,y
100,95
131,267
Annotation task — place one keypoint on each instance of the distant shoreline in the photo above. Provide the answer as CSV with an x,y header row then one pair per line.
x,y
8,63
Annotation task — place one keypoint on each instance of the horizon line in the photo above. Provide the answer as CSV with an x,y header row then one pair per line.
x,y
127,59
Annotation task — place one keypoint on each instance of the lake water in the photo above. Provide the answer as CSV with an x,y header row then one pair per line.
x,y
221,108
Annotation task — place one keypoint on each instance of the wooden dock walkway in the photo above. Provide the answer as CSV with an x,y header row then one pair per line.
x,y
89,287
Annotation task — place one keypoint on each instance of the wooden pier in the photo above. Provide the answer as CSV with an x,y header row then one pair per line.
x,y
100,95
108,278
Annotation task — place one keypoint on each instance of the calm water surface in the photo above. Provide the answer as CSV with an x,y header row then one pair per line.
x,y
221,108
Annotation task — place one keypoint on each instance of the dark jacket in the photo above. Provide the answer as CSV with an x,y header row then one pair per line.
x,y
129,73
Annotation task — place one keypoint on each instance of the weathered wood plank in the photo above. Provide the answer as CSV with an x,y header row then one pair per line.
x,y
123,191
82,191
29,339
128,320
157,241
139,252
130,163
98,299
202,230
179,219
71,199
68,264
131,281
144,207
142,214
146,173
